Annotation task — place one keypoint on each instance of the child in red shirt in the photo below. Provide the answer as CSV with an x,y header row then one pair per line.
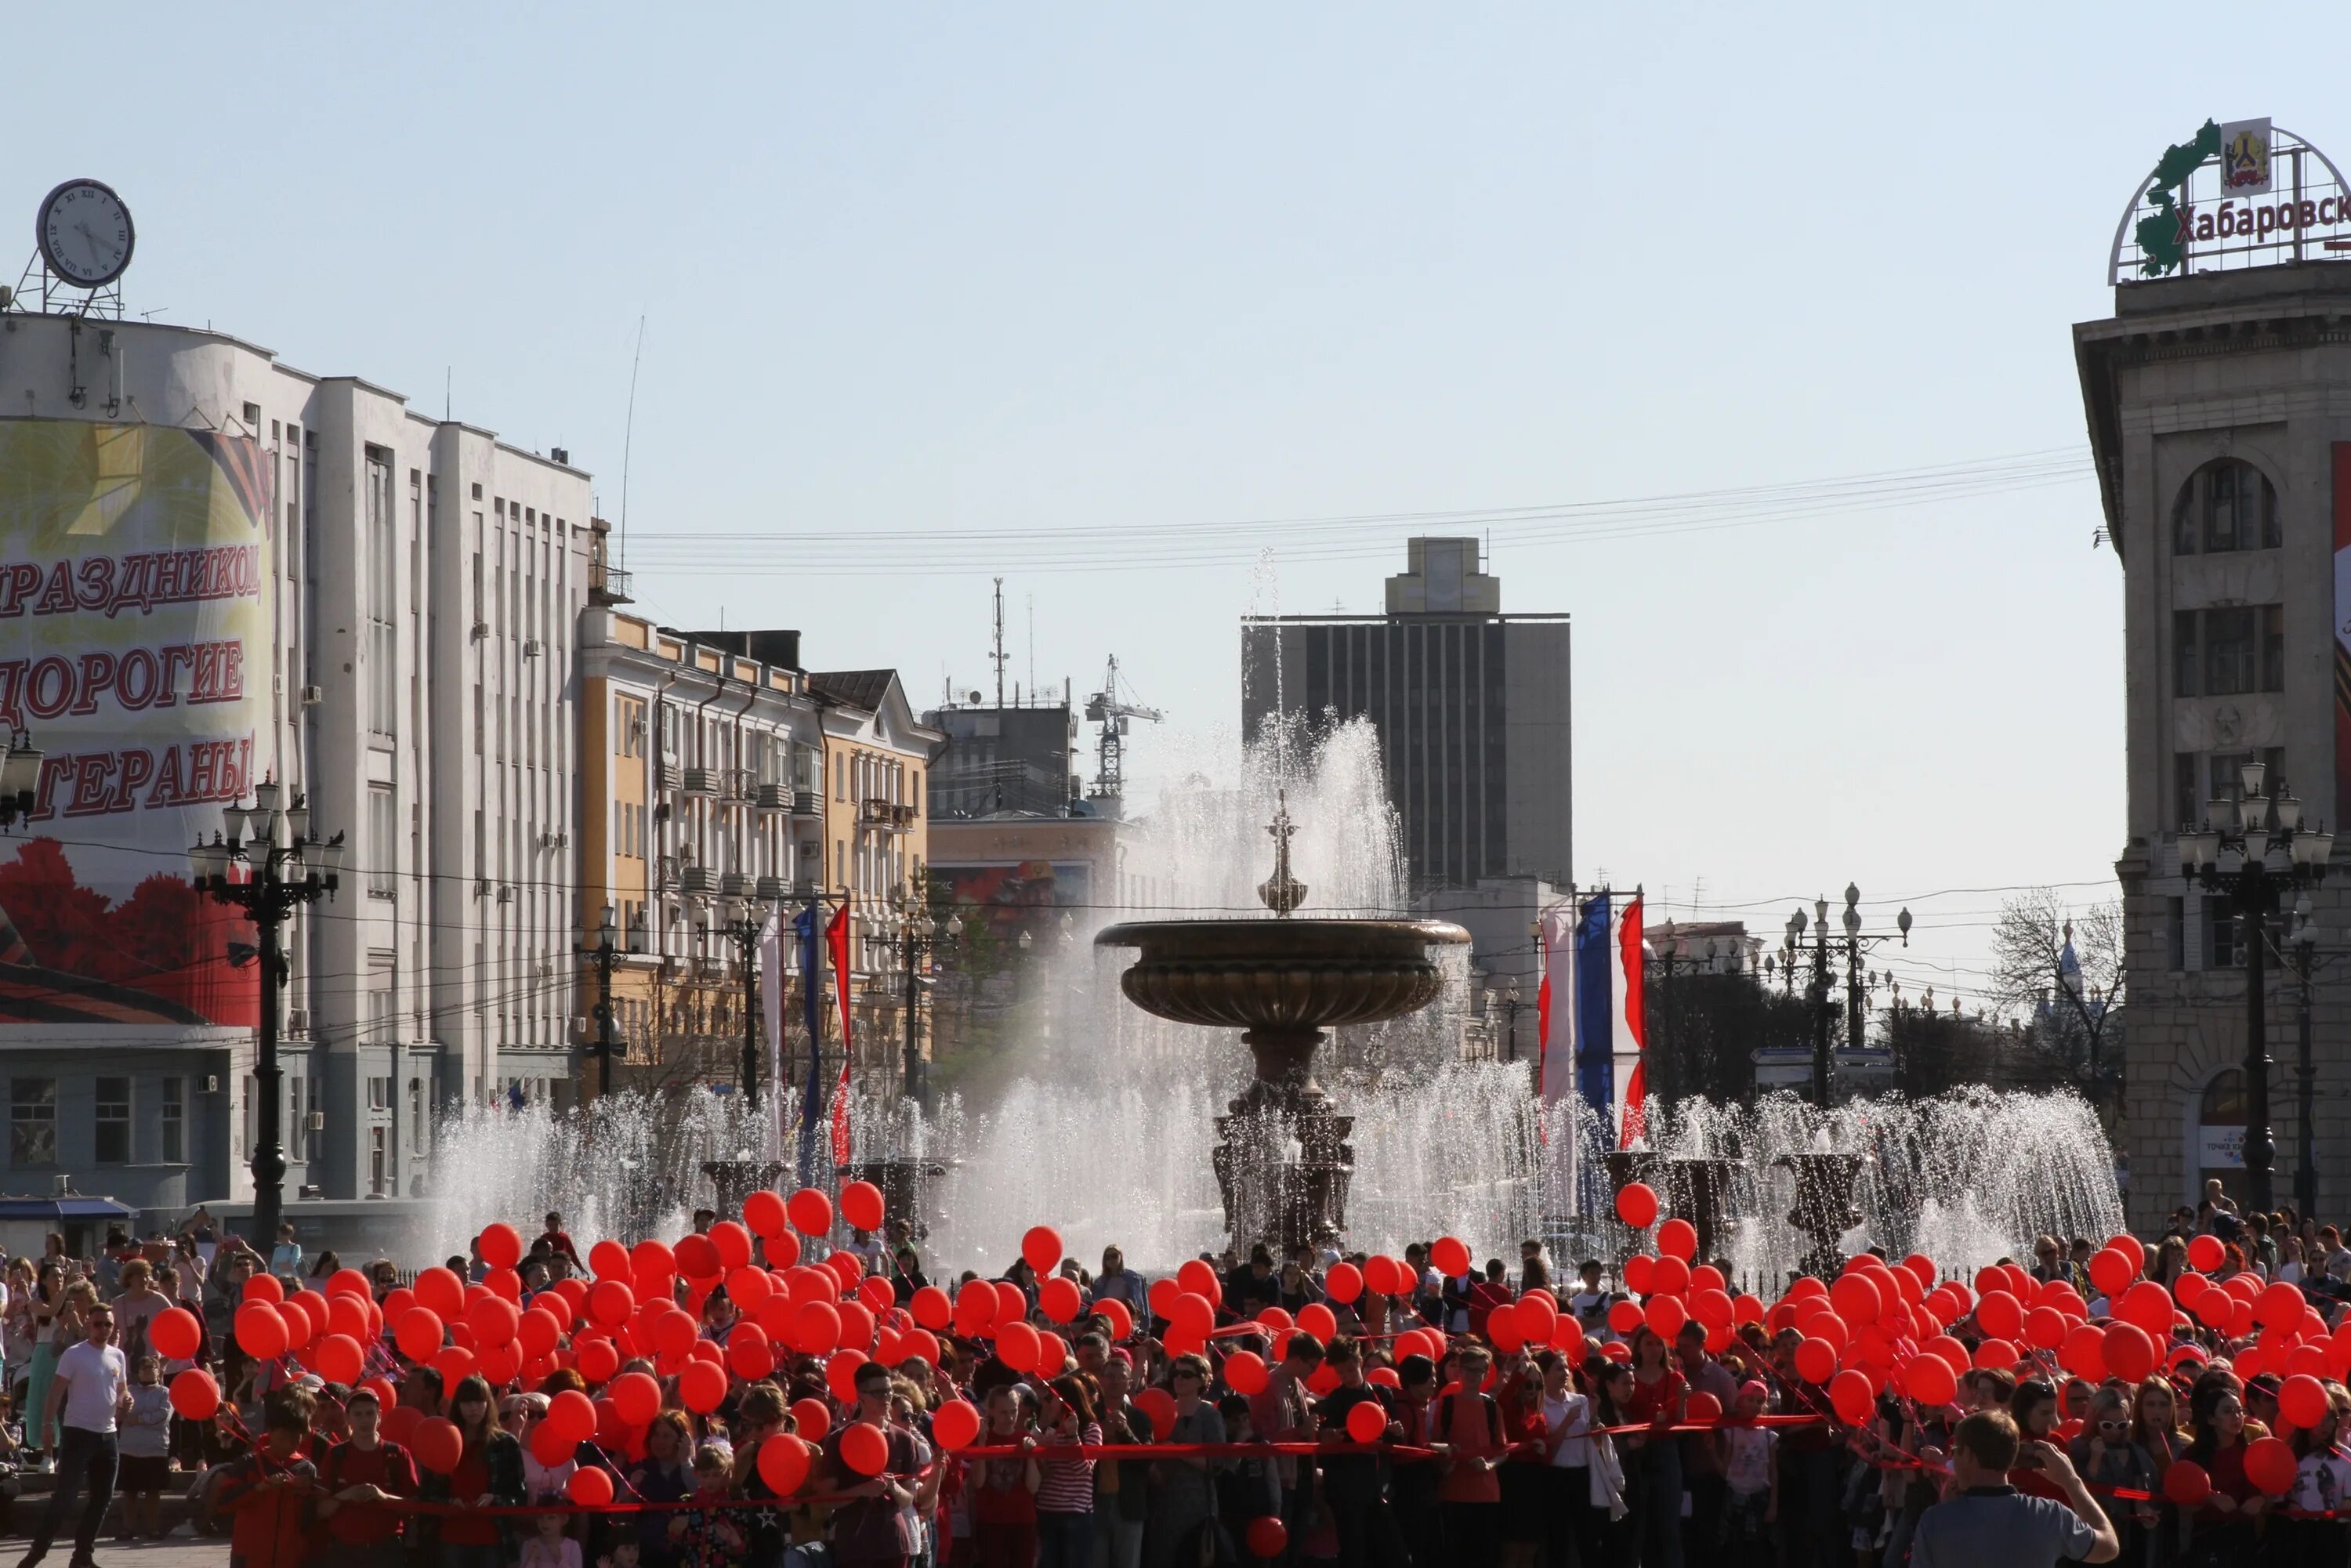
x,y
266,1492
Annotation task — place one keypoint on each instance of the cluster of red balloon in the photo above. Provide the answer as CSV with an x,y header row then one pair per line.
x,y
1880,1326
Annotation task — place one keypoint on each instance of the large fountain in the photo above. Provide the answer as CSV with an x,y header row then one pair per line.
x,y
1284,1162
1097,1119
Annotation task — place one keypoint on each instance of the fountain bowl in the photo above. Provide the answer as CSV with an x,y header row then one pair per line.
x,y
1282,974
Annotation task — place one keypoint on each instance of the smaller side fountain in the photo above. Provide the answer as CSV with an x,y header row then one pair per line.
x,y
735,1180
1695,1189
1825,1209
906,1186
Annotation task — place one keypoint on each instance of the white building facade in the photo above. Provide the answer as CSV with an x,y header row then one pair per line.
x,y
408,667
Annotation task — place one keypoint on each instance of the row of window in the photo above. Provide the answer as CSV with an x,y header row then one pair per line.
x,y
2216,940
2225,653
32,1122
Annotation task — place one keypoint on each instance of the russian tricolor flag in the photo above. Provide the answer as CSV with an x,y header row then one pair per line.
x,y
1593,968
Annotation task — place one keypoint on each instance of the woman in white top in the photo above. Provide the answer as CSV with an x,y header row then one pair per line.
x,y
1566,1480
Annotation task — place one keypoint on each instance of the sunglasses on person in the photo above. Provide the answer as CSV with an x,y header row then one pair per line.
x,y
1184,1371
2113,1426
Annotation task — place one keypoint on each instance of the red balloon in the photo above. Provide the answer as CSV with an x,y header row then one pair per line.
x,y
1703,1408
2129,1353
442,1291
1995,1355
1636,1205
1245,1371
175,1333
1381,1275
1343,1282
955,1424
702,1386
2270,1465
1664,1316
499,1244
636,1396
2280,1306
1042,1247
1931,1380
816,1328
1114,1311
194,1394
1017,1345
2044,1328
931,1307
1059,1300
861,1205
589,1487
341,1359
2187,1483
261,1330
1677,1238
269,1287
437,1444
1669,1275
550,1447
750,1356
2000,1315
1816,1360
1849,1393
1626,1316
2302,1400
2206,1252
864,1449
2111,1273
1856,1299
2084,1353
1450,1255
1319,1320
598,1360
697,1257
812,1418
783,1461
572,1414
1638,1270
810,1211
1266,1536
764,1214
494,1320
1367,1422
1159,1406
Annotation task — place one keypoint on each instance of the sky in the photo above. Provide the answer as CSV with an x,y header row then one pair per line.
x,y
1113,273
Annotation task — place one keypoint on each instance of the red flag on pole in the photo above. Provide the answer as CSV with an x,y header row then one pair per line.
x,y
836,937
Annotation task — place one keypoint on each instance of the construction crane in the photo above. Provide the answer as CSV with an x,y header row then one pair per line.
x,y
1106,708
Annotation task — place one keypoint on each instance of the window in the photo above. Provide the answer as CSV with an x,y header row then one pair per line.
x,y
840,778
629,720
2175,931
383,843
298,1143
174,1104
2219,935
2227,504
382,652
2273,619
2184,662
383,987
2231,652
378,1162
32,1122
416,1114
110,1141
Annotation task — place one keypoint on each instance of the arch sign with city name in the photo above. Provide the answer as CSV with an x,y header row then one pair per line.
x,y
2246,194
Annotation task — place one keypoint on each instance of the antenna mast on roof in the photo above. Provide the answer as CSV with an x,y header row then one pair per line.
x,y
998,657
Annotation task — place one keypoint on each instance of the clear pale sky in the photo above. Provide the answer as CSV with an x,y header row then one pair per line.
x,y
1132,269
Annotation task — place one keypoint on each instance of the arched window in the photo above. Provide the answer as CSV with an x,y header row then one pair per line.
x,y
2227,504
2224,1099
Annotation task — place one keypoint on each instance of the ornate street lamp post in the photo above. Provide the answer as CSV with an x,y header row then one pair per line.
x,y
2248,851
286,866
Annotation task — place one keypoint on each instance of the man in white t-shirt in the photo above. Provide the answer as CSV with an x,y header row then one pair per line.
x,y
89,1392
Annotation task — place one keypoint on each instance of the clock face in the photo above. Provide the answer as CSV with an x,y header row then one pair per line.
x,y
84,234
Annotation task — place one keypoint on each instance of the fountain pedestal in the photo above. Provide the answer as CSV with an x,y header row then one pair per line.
x,y
1825,1209
1695,1189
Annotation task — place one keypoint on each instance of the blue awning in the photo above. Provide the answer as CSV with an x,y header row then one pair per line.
x,y
64,1208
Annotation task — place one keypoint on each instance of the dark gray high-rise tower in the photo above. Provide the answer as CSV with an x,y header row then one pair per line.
x,y
1471,706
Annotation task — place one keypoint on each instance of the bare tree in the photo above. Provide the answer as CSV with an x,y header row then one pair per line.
x,y
2069,1005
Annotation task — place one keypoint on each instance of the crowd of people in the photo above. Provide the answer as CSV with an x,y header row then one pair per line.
x,y
791,1388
